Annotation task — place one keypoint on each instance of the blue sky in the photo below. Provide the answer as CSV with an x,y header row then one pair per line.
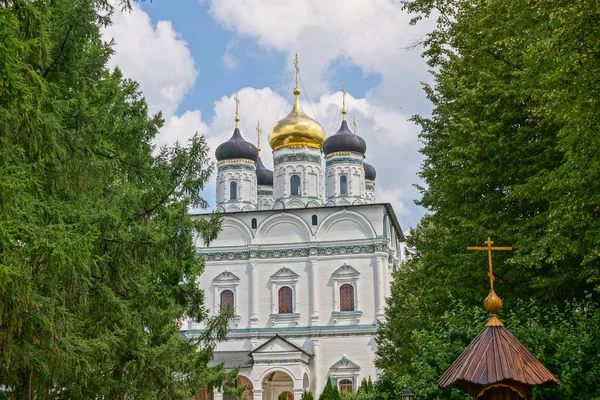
x,y
190,56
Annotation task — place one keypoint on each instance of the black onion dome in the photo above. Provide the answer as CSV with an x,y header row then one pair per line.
x,y
264,176
370,173
236,147
344,140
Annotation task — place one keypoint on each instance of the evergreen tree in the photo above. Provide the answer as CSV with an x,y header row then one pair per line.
x,y
97,264
370,386
335,394
307,395
327,393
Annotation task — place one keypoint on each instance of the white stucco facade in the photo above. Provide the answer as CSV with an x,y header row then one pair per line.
x,y
349,245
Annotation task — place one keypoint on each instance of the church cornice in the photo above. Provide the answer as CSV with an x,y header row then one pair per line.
x,y
297,332
295,253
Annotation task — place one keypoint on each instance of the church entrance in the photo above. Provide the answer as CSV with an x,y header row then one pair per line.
x,y
278,386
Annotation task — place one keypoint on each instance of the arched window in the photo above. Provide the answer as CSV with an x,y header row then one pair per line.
x,y
254,224
343,185
345,385
285,300
233,190
346,297
295,185
315,220
226,300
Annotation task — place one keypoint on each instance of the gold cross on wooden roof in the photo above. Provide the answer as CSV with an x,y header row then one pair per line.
x,y
489,242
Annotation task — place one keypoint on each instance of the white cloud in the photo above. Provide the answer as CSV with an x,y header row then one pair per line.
x,y
154,56
181,128
373,35
229,59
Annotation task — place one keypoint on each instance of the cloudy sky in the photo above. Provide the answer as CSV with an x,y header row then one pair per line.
x,y
190,56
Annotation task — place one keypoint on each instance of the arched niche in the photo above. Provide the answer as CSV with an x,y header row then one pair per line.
x,y
345,224
283,228
233,233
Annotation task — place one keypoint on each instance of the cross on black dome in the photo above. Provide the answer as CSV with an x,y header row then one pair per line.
x,y
236,147
344,140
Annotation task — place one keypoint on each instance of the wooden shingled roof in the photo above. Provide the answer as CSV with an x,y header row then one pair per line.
x,y
494,356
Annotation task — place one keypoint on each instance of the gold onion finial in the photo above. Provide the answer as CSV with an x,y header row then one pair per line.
x,y
258,132
237,109
343,102
492,302
296,129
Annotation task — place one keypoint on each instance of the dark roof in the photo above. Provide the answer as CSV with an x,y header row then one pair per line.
x,y
494,356
264,176
388,208
370,172
236,147
232,359
278,336
344,140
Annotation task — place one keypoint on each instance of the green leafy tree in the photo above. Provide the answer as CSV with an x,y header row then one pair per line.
x,y
511,152
97,264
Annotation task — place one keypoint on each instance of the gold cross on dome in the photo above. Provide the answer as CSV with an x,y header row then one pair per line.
x,y
237,108
258,132
489,242
343,102
297,67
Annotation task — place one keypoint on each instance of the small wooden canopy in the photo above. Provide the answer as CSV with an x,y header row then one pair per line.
x,y
496,356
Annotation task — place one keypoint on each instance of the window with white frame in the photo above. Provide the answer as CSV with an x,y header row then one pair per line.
x,y
283,294
225,299
344,374
345,285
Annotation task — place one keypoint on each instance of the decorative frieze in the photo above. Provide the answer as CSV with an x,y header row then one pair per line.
x,y
263,192
302,157
294,253
344,160
236,167
370,186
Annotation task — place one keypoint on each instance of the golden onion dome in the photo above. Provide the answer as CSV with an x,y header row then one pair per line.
x,y
297,129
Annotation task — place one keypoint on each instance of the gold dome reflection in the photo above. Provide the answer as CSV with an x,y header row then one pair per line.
x,y
297,129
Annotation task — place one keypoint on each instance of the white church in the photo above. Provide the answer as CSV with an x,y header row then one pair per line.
x,y
304,260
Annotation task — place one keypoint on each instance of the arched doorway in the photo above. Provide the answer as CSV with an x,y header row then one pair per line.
x,y
278,383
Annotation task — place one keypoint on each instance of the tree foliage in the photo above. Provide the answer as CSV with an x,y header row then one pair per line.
x,y
511,152
307,395
97,264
